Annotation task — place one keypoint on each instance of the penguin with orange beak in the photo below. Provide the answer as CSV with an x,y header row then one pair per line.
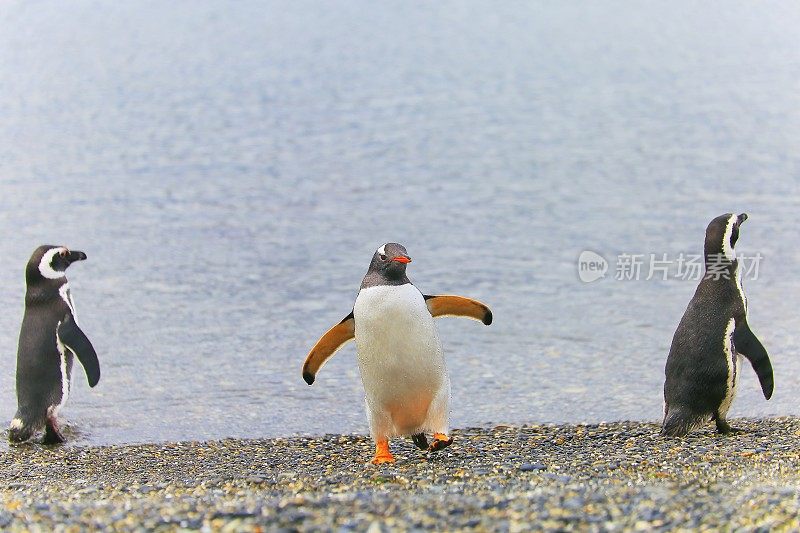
x,y
399,353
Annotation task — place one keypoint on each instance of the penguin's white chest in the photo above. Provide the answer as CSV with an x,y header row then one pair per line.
x,y
399,353
65,355
734,362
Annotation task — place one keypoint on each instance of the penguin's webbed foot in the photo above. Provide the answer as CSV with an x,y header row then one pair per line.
x,y
52,435
382,453
420,441
440,442
723,428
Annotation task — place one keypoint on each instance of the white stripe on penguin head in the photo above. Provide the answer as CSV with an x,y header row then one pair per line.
x,y
727,249
382,250
45,266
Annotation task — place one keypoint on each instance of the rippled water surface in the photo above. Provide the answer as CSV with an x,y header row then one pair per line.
x,y
230,169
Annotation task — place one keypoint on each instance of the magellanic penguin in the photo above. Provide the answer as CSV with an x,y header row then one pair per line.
x,y
48,339
399,353
704,360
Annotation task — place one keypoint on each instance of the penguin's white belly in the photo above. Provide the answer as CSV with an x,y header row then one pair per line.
x,y
734,362
399,353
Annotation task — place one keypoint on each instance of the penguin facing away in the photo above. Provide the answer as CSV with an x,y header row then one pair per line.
x,y
48,340
399,353
704,360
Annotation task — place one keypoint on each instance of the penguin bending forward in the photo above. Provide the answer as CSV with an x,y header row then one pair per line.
x,y
399,354
704,360
48,339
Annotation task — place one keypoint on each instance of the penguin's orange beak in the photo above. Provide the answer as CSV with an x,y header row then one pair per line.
x,y
402,259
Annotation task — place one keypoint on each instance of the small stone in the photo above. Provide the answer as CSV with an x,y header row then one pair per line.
x,y
375,527
532,467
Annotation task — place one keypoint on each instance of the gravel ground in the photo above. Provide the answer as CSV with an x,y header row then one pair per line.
x,y
619,476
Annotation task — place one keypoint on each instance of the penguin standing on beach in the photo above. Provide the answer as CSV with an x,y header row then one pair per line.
x,y
48,340
704,360
399,354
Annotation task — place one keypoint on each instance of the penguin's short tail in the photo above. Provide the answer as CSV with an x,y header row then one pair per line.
x,y
678,424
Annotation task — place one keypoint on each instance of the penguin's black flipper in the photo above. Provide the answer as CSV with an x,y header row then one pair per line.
x,y
77,342
327,345
449,305
746,343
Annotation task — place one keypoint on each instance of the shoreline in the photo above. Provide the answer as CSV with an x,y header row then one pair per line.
x,y
607,476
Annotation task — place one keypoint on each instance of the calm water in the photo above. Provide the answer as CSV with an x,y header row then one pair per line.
x,y
230,171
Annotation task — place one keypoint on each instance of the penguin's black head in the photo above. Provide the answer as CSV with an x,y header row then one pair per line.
x,y
721,236
388,265
50,262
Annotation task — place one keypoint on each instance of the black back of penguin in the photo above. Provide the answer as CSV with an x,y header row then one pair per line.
x,y
702,355
697,366
48,320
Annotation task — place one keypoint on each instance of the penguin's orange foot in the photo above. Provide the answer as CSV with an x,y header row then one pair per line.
x,y
382,453
440,442
382,459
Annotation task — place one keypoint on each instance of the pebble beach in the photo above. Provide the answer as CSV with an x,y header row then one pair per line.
x,y
600,477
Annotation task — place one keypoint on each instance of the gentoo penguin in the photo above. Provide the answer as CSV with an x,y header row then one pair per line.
x,y
704,360
399,354
48,339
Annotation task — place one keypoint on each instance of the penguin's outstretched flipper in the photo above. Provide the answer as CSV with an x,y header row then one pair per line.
x,y
746,343
449,305
327,345
77,342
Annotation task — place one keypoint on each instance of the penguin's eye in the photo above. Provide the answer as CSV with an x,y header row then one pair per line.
x,y
63,253
383,257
